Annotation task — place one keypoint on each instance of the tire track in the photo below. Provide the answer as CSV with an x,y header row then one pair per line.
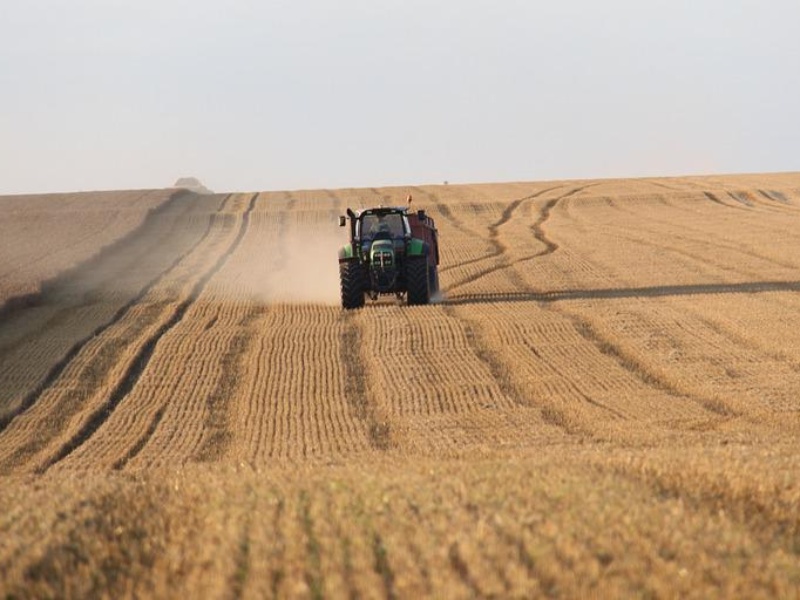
x,y
634,367
536,228
742,198
640,371
355,383
674,384
775,196
15,304
460,567
215,428
217,419
58,289
509,211
662,185
59,367
629,364
716,199
145,353
497,368
756,287
498,248
141,442
501,371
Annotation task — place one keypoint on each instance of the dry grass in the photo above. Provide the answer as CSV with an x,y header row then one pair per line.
x,y
605,404
42,236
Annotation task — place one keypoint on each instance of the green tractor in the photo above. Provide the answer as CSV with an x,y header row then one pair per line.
x,y
392,250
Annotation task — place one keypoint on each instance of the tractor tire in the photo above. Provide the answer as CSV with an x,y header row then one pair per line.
x,y
351,278
418,282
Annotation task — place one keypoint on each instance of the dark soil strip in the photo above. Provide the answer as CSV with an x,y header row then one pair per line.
x,y
500,373
355,383
771,516
511,208
18,303
141,442
499,247
742,198
242,561
216,424
278,555
775,196
497,368
140,362
640,371
313,572
382,566
716,199
58,368
459,566
537,227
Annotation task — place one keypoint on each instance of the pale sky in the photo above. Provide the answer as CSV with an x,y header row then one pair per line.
x,y
287,94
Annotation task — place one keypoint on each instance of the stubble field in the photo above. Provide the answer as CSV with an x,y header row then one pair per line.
x,y
606,401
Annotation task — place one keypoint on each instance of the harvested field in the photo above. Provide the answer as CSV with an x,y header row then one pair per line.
x,y
43,236
605,403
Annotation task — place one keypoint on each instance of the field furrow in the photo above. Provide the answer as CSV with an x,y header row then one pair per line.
x,y
146,402
106,367
438,392
43,238
47,337
693,335
602,403
296,403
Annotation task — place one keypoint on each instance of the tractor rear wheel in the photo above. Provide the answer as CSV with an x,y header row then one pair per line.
x,y
419,291
351,278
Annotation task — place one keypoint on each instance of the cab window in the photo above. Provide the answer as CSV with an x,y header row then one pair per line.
x,y
389,225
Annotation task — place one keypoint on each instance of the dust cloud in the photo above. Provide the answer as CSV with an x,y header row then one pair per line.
x,y
293,266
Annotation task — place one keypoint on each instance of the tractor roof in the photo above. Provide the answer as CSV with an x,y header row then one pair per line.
x,y
382,210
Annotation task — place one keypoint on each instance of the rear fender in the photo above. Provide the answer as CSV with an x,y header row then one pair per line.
x,y
417,247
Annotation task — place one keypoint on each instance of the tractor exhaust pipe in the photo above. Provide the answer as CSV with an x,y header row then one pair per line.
x,y
352,216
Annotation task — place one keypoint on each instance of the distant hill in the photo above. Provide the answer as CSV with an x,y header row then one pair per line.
x,y
193,184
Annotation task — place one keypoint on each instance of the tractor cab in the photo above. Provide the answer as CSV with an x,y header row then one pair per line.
x,y
378,224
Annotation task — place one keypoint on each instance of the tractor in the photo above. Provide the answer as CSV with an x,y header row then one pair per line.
x,y
392,250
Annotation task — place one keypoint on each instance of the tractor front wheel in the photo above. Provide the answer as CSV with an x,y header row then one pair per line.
x,y
351,278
